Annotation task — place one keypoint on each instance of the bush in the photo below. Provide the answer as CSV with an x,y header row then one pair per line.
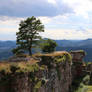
x,y
86,79
48,46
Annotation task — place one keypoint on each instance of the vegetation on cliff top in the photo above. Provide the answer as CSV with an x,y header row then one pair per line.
x,y
31,65
15,67
60,55
48,46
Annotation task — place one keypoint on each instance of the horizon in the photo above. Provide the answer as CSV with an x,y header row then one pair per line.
x,y
63,19
55,39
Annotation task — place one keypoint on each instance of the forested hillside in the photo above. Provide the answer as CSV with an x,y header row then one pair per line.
x,y
68,45
5,49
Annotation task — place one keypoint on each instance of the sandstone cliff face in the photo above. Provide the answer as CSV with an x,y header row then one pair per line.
x,y
77,62
58,75
16,83
55,77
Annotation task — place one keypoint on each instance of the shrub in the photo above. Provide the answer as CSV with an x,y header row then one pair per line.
x,y
48,46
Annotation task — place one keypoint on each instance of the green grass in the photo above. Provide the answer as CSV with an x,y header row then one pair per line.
x,y
84,85
80,84
88,88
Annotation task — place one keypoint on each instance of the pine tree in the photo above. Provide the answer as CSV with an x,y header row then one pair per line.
x,y
28,35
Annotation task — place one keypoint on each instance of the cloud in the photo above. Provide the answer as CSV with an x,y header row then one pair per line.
x,y
25,8
45,20
8,27
9,21
81,29
67,21
8,33
52,1
63,19
67,34
57,34
80,7
58,27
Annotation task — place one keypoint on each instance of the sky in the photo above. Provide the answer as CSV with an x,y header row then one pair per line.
x,y
63,19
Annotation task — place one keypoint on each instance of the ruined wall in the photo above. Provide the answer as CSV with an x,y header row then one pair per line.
x,y
51,74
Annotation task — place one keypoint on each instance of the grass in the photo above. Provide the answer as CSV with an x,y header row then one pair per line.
x,y
84,85
88,88
80,84
52,54
62,54
11,67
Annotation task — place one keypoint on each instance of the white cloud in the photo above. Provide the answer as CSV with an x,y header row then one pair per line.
x,y
9,21
45,20
8,30
67,34
52,1
8,27
81,7
8,33
58,27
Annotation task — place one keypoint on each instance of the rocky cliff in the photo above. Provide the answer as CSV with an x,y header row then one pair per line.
x,y
42,73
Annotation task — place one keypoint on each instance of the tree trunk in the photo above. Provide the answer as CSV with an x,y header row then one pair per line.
x,y
30,47
30,51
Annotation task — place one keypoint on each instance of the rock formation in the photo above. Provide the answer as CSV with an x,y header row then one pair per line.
x,y
78,64
45,73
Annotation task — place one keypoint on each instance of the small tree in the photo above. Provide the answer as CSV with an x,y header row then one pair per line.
x,y
28,35
48,46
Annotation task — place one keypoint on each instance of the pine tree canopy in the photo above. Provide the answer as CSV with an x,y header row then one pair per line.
x,y
28,35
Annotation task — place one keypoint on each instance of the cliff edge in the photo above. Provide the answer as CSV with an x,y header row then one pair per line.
x,y
41,73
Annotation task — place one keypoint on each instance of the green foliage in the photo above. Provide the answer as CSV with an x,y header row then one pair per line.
x,y
13,67
38,85
86,80
79,83
63,57
19,67
28,35
5,69
59,59
17,51
10,69
48,46
88,88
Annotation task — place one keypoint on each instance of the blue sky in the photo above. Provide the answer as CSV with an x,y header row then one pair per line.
x,y
63,19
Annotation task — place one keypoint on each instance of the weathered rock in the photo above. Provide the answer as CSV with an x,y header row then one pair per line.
x,y
58,74
78,55
16,83
55,77
77,63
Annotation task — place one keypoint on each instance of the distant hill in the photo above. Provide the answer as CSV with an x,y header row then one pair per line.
x,y
75,43
5,49
68,45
